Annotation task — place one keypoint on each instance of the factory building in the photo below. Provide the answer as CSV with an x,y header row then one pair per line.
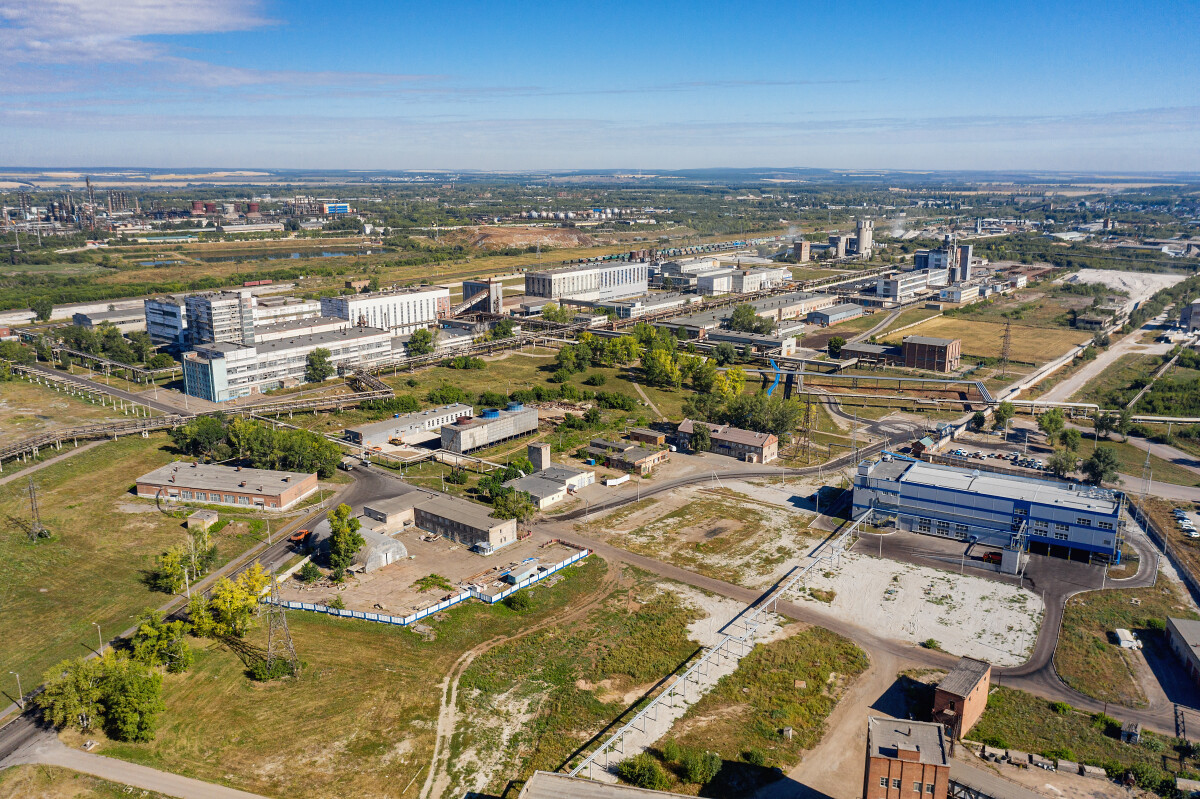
x,y
166,320
933,354
835,314
959,293
802,250
1061,519
273,309
553,484
745,445
220,316
636,307
223,370
1183,636
961,697
1189,319
491,427
906,759
714,283
458,519
401,311
596,282
409,428
746,281
625,456
126,321
294,328
226,485
902,287
490,293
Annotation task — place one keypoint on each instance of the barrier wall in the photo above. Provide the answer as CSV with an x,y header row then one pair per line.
x,y
404,621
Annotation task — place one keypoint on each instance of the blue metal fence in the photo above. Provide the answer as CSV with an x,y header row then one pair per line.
x,y
404,621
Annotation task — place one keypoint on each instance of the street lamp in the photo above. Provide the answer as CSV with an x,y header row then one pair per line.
x,y
99,636
20,693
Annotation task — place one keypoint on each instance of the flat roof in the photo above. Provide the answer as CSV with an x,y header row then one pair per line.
x,y
108,316
410,419
320,338
480,421
211,476
645,431
844,307
1043,492
1189,631
536,485
886,737
965,675
561,472
874,349
546,785
929,340
331,322
459,510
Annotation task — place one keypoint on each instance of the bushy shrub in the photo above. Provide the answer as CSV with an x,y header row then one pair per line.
x,y
595,379
700,767
309,573
755,757
521,601
1062,709
644,772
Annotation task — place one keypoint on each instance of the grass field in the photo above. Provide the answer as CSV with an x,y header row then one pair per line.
x,y
27,409
794,682
52,591
1130,461
1110,387
1031,307
53,782
360,720
986,339
909,317
1017,720
1088,661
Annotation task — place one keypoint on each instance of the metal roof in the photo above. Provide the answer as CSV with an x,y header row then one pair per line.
x,y
212,477
929,340
1042,492
965,675
411,419
536,486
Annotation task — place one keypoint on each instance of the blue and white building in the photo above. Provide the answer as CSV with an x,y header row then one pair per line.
x,y
1074,521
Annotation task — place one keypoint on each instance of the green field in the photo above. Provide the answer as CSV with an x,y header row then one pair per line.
x,y
1021,721
1089,661
1112,388
90,570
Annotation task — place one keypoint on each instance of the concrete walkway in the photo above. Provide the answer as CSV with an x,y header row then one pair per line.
x,y
48,750
50,461
1129,345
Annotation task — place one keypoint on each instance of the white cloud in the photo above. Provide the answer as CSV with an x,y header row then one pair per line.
x,y
112,31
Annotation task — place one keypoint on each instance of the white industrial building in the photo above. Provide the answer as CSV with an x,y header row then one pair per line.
x,y
400,311
407,428
491,427
224,370
596,282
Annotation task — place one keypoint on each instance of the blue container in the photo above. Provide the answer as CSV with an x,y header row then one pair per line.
x,y
514,406
490,413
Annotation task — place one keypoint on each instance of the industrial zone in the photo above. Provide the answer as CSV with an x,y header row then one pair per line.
x,y
758,515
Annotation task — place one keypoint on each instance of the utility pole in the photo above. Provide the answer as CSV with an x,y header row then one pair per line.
x,y
279,638
100,636
20,693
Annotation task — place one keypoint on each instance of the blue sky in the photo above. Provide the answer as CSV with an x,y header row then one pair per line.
x,y
1097,86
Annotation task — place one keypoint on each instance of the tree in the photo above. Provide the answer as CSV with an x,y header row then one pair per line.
x,y
1124,422
72,693
157,642
1051,423
1102,466
317,368
344,540
502,329
661,369
978,420
511,504
1070,438
132,696
555,313
42,308
16,352
1062,462
419,343
725,353
746,318
1105,423
835,346
1002,415
701,437
704,377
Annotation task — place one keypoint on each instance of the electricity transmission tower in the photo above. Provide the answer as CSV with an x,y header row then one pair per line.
x,y
36,528
279,638
1005,349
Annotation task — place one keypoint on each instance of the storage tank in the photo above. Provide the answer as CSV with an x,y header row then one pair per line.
x,y
252,208
198,206
514,406
210,208
490,413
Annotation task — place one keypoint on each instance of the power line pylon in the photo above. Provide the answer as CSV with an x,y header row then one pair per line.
x,y
279,638
1005,349
36,528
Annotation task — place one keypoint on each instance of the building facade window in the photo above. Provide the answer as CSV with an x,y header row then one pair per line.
x,y
1082,522
1060,536
1060,527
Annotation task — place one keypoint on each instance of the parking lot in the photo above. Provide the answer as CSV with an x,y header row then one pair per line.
x,y
999,457
1187,521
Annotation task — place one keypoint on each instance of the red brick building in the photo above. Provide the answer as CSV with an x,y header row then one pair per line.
x,y
906,760
962,695
226,485
933,354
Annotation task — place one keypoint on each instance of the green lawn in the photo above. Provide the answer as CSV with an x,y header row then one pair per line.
x,y
1113,388
1021,721
90,570
1131,460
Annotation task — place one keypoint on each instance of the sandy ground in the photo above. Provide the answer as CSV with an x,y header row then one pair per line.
x,y
1139,285
1051,783
966,615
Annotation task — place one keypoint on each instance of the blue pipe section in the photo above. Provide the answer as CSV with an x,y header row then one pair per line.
x,y
777,373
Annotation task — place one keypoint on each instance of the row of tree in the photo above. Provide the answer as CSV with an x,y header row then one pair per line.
x,y
219,438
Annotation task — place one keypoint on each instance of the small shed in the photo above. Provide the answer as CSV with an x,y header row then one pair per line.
x,y
646,436
1131,732
378,551
1126,639
202,519
522,572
